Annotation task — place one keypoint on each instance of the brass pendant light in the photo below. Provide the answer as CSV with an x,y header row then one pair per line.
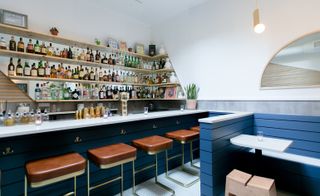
x,y
257,25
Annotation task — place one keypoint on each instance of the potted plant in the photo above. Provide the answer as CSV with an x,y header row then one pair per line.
x,y
192,94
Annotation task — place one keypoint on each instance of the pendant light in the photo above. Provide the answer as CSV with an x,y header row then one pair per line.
x,y
257,25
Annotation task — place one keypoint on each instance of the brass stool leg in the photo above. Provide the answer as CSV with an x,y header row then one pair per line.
x,y
88,177
121,170
75,186
25,186
191,155
183,168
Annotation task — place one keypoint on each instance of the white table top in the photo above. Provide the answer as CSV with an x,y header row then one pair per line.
x,y
268,143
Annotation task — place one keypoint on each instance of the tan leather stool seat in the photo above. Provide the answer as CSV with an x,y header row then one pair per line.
x,y
153,144
196,129
112,154
54,167
183,135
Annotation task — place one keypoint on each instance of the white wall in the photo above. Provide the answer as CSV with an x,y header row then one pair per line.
x,y
214,46
80,19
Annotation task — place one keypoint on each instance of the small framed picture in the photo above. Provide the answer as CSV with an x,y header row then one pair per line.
x,y
113,43
171,93
140,48
14,19
123,46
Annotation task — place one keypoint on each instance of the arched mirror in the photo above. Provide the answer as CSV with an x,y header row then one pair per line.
x,y
295,66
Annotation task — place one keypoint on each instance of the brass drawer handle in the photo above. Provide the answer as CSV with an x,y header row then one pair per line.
x,y
77,140
178,122
154,126
7,151
123,132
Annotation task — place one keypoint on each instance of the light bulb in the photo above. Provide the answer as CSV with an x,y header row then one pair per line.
x,y
259,28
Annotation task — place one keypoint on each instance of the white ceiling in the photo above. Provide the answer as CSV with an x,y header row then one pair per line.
x,y
150,12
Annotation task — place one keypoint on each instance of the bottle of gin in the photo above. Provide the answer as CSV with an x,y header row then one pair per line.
x,y
37,92
37,48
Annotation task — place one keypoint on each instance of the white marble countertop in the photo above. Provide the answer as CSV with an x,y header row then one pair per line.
x,y
232,115
51,126
267,143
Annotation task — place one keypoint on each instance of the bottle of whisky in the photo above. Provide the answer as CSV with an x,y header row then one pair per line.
x,y
20,45
70,54
88,55
19,70
91,56
47,70
81,73
12,44
34,70
3,44
37,48
50,50
98,57
76,74
40,69
104,60
11,68
53,72
91,76
43,49
100,74
27,69
30,48
96,75
86,74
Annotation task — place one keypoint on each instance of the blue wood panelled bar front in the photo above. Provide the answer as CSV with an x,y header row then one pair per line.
x,y
24,143
297,170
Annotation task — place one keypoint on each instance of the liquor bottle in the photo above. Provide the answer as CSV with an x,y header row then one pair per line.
x,y
91,56
12,44
82,56
30,48
53,72
75,93
91,75
105,59
113,76
20,45
81,73
96,75
86,74
98,57
69,73
109,76
105,76
76,54
88,55
114,59
3,44
40,69
110,60
11,68
37,92
100,74
43,49
27,69
37,48
109,93
50,50
126,61
19,70
76,74
66,93
70,54
117,77
34,70
95,93
101,93
47,70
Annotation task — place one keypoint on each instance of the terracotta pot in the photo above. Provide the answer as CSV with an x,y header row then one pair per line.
x,y
191,104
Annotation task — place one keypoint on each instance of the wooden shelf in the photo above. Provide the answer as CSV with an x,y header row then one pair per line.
x,y
66,41
158,99
88,81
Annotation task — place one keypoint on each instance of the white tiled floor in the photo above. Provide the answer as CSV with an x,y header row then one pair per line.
x,y
148,188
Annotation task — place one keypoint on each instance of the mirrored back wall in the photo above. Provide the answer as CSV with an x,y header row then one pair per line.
x,y
296,65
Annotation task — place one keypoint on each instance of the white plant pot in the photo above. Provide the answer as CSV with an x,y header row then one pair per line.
x,y
191,104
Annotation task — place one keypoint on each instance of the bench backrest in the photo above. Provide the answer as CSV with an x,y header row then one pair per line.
x,y
303,130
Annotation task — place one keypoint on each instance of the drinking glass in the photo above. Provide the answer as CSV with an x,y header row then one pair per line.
x,y
145,110
260,136
181,108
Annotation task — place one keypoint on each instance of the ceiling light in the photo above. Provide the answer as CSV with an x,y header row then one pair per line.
x,y
257,25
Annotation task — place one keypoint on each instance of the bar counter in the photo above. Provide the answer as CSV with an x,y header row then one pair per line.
x,y
19,130
23,143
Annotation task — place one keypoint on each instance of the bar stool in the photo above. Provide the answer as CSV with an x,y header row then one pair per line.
x,y
182,136
54,169
152,146
110,156
195,129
